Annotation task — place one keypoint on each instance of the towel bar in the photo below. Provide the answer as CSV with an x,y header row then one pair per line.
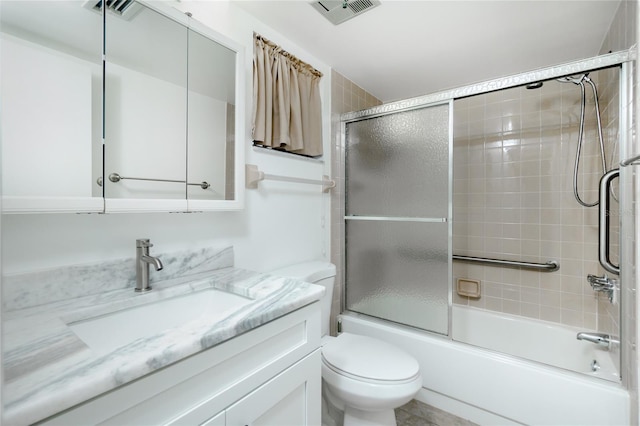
x,y
253,176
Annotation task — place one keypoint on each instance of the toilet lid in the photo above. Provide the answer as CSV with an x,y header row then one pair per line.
x,y
369,358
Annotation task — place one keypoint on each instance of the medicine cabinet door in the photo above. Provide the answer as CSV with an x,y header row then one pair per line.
x,y
145,111
211,122
51,128
171,90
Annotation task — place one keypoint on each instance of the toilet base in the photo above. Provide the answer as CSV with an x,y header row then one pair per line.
x,y
331,415
335,413
355,417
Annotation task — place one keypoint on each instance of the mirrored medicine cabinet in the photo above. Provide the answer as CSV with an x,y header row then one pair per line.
x,y
136,108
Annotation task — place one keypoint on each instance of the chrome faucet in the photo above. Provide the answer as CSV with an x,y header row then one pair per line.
x,y
603,284
600,339
142,264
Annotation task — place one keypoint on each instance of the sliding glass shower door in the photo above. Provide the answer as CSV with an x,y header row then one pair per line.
x,y
398,216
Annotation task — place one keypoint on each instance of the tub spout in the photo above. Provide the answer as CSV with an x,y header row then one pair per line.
x,y
600,339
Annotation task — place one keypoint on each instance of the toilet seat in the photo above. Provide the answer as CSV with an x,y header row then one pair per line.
x,y
369,360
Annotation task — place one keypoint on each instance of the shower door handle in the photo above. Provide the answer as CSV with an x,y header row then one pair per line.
x,y
603,222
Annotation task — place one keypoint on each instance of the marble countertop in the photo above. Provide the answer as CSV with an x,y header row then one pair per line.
x,y
47,368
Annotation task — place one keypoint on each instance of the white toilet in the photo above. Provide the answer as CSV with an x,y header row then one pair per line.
x,y
362,376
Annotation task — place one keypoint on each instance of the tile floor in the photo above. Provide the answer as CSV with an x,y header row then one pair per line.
x,y
415,413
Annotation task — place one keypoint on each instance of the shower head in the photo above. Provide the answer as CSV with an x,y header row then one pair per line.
x,y
535,85
575,79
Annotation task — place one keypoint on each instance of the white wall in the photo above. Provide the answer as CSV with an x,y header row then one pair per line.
x,y
280,224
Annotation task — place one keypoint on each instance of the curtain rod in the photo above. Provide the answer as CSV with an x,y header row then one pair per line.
x,y
288,55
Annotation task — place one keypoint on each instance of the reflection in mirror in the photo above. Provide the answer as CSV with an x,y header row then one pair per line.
x,y
211,119
51,82
145,106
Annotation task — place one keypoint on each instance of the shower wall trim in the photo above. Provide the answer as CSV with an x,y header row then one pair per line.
x,y
627,313
450,213
577,67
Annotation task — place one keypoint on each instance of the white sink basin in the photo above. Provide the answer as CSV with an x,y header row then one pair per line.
x,y
108,332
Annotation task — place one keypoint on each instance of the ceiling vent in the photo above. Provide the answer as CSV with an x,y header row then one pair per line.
x,y
338,11
125,9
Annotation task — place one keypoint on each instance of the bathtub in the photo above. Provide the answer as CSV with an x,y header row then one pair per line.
x,y
493,388
540,341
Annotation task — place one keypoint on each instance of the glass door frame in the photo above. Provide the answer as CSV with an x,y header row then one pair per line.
x,y
381,111
624,59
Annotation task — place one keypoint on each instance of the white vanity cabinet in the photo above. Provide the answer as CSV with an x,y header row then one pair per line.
x,y
270,375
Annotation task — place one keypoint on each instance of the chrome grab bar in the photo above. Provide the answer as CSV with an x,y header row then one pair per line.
x,y
549,266
604,220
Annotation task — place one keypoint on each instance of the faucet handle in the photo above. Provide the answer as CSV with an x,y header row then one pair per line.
x,y
143,243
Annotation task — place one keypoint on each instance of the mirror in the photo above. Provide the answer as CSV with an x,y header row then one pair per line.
x,y
211,121
169,110
145,105
160,118
51,82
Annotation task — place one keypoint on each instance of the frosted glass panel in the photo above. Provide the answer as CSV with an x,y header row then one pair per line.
x,y
398,164
399,271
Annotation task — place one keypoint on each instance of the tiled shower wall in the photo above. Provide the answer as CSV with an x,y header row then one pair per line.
x,y
346,96
514,152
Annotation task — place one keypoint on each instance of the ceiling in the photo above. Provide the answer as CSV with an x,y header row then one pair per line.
x,y
403,49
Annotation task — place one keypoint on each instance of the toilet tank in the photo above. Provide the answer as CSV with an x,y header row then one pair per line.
x,y
319,273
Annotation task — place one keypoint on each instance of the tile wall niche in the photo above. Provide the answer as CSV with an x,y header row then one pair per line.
x,y
514,152
346,96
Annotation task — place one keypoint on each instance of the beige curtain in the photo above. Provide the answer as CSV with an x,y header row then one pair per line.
x,y
287,112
